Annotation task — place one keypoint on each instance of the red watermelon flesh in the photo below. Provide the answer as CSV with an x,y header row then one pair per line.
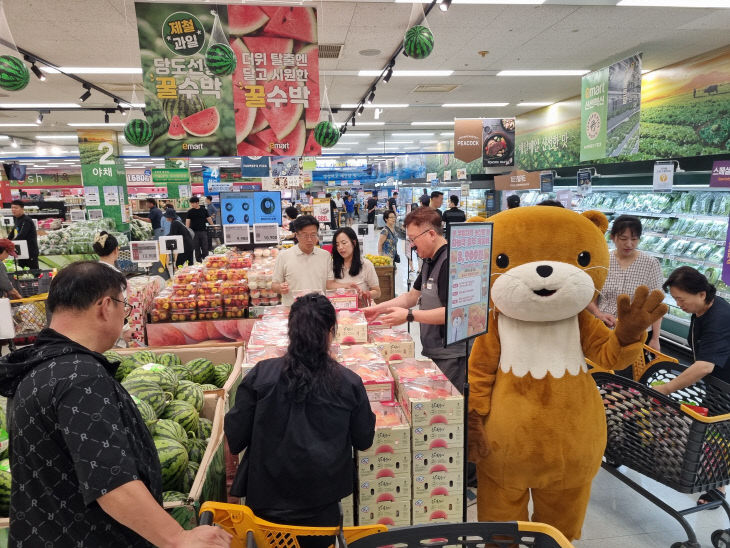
x,y
247,149
312,148
296,23
282,119
176,131
244,116
245,19
260,123
267,45
203,123
269,10
311,115
266,139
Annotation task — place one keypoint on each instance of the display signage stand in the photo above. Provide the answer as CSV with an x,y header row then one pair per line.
x,y
469,264
236,235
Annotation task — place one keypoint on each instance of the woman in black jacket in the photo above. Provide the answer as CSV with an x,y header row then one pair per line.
x,y
298,417
179,229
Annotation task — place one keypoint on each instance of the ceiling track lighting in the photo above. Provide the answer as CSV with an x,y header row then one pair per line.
x,y
371,97
360,110
39,120
35,70
343,129
445,5
106,117
353,121
389,74
14,143
86,94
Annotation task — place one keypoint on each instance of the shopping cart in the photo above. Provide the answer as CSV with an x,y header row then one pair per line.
x,y
31,282
29,317
648,358
669,439
243,524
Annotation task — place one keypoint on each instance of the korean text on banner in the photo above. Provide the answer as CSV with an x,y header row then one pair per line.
x,y
189,108
276,82
720,174
103,174
469,267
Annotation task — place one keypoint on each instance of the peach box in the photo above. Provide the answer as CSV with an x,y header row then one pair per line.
x,y
392,431
352,328
437,435
383,465
438,509
437,483
384,489
432,402
438,458
395,513
343,299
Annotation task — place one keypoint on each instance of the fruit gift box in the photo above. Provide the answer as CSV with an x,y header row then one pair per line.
x,y
257,353
435,410
437,509
414,369
376,377
394,344
352,327
342,298
359,353
215,261
392,431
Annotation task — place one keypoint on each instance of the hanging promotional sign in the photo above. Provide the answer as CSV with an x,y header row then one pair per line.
x,y
469,267
286,166
276,81
103,174
547,180
663,175
498,142
170,175
468,139
726,263
189,107
254,166
584,181
178,163
321,210
517,180
720,174
610,110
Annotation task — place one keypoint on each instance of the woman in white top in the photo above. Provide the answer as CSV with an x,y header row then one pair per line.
x,y
351,270
628,269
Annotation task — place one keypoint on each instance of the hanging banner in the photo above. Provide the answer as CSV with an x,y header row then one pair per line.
x,y
469,267
610,110
726,263
498,142
189,108
720,174
468,139
254,166
663,175
276,82
103,173
584,181
286,166
549,137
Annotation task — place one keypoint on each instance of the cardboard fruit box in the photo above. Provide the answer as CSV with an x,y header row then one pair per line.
x,y
392,431
391,513
438,458
437,509
389,488
437,482
383,465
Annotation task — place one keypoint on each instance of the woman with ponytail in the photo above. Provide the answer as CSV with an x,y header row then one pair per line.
x,y
298,418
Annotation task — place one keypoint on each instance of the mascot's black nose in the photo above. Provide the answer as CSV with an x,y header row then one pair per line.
x,y
544,270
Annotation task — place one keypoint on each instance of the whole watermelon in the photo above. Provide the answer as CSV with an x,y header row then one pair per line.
x,y
189,476
149,392
182,371
190,392
184,515
168,358
143,357
221,373
207,387
205,427
148,413
183,413
202,369
153,372
173,461
126,366
197,449
167,428
113,356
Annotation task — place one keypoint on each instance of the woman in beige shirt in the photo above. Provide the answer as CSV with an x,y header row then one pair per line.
x,y
351,270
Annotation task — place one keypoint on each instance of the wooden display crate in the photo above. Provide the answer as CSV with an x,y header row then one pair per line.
x,y
386,277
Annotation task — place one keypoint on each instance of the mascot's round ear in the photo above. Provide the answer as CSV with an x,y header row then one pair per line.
x,y
598,219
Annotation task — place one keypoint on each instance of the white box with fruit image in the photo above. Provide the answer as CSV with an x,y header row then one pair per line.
x,y
437,436
437,509
393,344
437,482
388,488
391,513
430,402
383,465
438,458
352,327
392,431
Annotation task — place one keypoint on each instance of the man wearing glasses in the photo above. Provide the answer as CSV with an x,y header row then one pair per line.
x,y
85,468
430,292
303,267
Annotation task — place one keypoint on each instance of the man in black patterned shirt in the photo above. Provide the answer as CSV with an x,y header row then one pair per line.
x,y
85,471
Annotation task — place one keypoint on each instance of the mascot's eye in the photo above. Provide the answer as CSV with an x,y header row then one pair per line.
x,y
584,259
502,260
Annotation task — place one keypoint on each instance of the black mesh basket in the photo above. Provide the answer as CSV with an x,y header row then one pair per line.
x,y
663,439
27,286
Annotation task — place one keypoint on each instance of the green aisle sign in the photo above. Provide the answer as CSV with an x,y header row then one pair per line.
x,y
593,114
102,173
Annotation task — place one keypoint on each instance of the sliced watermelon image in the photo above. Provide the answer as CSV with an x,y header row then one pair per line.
x,y
260,123
312,148
282,119
291,145
176,130
245,19
267,45
247,149
297,23
203,123
244,116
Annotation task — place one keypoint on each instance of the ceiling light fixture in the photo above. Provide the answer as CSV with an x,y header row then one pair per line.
x,y
387,105
14,143
460,105
445,5
39,120
59,136
408,72
371,124
93,70
35,70
534,104
558,72
447,133
17,125
676,3
395,142
38,105
96,124
411,134
432,123
371,97
86,94
343,129
353,121
360,110
428,142
389,73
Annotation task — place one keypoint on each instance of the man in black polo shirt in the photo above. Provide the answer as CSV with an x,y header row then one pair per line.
x,y
24,229
197,220
155,218
454,214
372,205
85,468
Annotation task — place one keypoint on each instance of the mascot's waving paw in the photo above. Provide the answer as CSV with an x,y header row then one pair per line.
x,y
635,316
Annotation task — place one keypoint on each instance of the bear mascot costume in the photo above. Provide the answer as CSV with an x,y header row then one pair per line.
x,y
536,420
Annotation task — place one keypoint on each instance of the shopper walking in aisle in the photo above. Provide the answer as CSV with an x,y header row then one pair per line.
x,y
185,255
24,229
7,249
155,218
197,220
425,200
628,269
290,213
213,214
349,208
298,418
454,214
437,200
84,466
430,291
303,267
372,205
351,269
388,242
106,247
333,212
513,201
393,203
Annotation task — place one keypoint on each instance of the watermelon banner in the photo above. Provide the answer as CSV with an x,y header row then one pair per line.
x,y
189,108
276,81
102,173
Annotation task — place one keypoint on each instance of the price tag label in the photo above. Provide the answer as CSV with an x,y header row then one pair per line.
x,y
144,252
77,215
237,234
95,214
266,233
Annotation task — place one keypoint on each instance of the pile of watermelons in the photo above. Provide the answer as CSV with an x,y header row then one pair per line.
x,y
169,396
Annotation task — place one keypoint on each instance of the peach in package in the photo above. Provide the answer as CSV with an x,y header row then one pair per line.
x,y
395,344
343,298
436,412
352,327
255,354
415,369
361,353
270,331
392,431
376,377
216,261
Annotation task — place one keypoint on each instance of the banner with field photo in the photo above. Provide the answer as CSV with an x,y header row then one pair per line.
x,y
189,108
549,137
276,82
